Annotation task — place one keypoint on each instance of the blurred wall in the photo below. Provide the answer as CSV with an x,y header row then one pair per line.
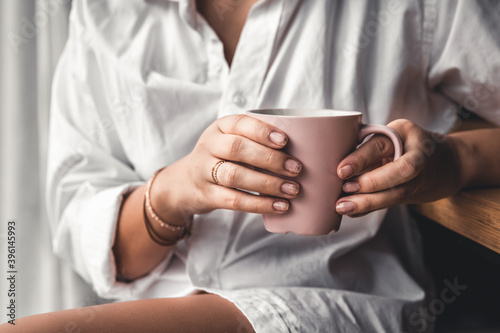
x,y
33,34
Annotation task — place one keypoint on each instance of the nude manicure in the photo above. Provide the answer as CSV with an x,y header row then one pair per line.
x,y
351,187
345,207
346,172
290,188
293,166
281,206
278,138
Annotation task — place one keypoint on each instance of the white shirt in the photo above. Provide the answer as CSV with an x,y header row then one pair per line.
x,y
138,83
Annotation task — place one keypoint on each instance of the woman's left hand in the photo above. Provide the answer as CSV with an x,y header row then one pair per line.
x,y
429,169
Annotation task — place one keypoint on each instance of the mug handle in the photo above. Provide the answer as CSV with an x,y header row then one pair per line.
x,y
387,131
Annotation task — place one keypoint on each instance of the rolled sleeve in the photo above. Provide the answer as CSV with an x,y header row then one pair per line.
x,y
97,240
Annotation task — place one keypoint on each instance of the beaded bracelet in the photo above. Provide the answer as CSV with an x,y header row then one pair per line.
x,y
184,230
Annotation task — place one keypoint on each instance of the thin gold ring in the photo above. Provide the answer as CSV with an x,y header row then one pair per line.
x,y
214,171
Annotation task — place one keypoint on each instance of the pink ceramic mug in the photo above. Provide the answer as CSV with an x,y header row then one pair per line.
x,y
320,139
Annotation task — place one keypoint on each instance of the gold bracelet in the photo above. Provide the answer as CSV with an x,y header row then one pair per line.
x,y
148,208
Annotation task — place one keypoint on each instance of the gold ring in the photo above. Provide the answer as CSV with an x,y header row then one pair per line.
x,y
214,171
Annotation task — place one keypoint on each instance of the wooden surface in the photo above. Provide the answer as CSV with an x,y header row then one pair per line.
x,y
474,214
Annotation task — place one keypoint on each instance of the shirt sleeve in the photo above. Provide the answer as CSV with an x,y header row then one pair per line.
x,y
464,54
88,173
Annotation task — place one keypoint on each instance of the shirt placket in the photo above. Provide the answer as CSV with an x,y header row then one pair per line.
x,y
251,59
217,68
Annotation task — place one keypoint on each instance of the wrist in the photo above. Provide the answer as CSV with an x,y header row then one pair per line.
x,y
464,159
165,229
165,198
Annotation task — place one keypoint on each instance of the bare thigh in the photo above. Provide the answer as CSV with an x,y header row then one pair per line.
x,y
197,313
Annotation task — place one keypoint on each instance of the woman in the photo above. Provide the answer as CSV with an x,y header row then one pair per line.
x,y
144,85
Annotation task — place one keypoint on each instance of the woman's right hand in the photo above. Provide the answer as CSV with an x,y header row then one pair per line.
x,y
187,187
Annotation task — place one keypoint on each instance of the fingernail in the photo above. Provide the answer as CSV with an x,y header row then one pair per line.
x,y
293,166
290,188
345,207
281,206
278,138
346,171
351,187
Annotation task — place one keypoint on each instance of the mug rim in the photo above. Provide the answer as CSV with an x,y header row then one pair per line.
x,y
304,113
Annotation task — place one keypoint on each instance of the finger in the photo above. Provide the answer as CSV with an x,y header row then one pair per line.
x,y
362,204
390,175
253,129
228,198
371,153
240,149
239,177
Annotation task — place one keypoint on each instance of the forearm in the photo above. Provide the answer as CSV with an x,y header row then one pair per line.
x,y
135,252
479,155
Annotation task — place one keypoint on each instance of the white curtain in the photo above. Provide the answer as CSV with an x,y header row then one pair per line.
x,y
33,34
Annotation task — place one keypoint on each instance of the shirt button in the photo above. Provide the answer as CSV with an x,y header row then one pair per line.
x,y
239,99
